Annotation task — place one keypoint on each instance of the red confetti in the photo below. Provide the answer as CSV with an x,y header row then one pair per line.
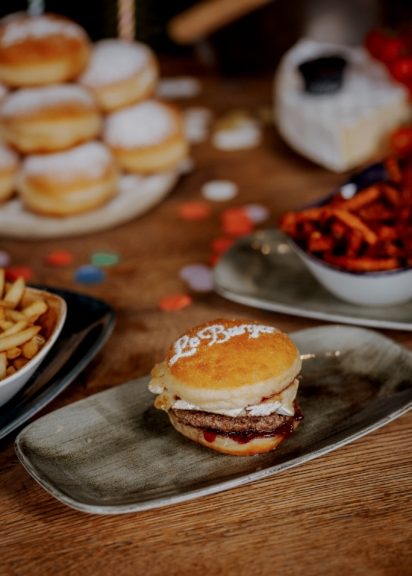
x,y
238,228
213,259
236,222
194,210
175,302
221,244
59,258
14,272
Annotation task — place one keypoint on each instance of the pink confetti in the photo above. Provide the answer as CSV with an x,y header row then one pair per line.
x,y
198,277
257,212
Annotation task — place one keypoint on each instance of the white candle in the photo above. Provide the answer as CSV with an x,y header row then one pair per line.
x,y
35,7
126,15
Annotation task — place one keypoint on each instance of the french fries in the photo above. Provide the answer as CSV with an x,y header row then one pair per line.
x,y
371,231
21,335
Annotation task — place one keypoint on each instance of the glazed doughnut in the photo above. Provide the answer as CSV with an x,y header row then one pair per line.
x,y
69,182
49,118
147,137
37,50
8,171
120,73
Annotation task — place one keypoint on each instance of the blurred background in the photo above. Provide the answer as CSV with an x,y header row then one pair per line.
x,y
253,42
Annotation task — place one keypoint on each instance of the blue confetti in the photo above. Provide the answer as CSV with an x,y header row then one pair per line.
x,y
89,275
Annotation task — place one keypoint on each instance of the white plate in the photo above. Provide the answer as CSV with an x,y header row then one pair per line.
x,y
113,452
136,196
263,271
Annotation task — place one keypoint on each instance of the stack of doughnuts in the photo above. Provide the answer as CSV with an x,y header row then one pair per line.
x,y
75,115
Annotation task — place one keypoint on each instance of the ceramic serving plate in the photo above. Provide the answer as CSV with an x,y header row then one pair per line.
x,y
136,196
263,271
88,324
114,453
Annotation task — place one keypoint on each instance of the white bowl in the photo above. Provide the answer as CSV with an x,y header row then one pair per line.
x,y
384,288
54,322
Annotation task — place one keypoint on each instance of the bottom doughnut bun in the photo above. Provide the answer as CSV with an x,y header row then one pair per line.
x,y
236,446
158,158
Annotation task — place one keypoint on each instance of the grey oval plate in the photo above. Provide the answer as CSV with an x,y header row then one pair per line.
x,y
114,453
262,271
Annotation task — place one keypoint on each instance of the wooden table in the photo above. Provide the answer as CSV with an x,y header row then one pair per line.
x,y
348,512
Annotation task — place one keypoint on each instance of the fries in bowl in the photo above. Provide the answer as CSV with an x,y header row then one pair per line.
x,y
30,322
359,245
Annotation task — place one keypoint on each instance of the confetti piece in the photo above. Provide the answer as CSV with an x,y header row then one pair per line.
x,y
179,87
89,275
14,272
59,258
221,244
256,212
194,210
237,130
4,259
214,259
219,190
197,121
199,277
103,259
236,222
175,302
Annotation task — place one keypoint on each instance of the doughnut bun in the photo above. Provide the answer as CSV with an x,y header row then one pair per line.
x,y
120,73
231,385
227,444
8,172
69,182
38,50
49,118
147,137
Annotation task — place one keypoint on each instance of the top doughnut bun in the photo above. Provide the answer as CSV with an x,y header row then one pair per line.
x,y
231,364
39,50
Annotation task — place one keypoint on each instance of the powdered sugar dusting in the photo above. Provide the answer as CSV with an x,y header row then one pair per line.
x,y
89,160
141,125
20,28
114,60
31,99
8,158
187,346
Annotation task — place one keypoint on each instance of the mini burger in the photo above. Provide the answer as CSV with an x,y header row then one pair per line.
x,y
231,386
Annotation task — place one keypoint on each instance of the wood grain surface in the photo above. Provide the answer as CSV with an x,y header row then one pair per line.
x,y
347,513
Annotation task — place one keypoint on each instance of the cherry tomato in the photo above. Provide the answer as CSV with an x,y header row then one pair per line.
x,y
401,69
385,45
401,140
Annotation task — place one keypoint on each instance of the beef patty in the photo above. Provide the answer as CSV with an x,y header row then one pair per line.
x,y
238,424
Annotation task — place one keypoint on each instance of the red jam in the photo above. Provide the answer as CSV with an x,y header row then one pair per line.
x,y
209,436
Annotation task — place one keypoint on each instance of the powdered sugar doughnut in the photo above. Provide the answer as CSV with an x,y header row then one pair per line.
x,y
36,50
120,73
49,118
147,137
8,171
69,182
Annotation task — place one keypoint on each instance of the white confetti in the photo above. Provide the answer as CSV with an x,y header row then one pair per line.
x,y
219,190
